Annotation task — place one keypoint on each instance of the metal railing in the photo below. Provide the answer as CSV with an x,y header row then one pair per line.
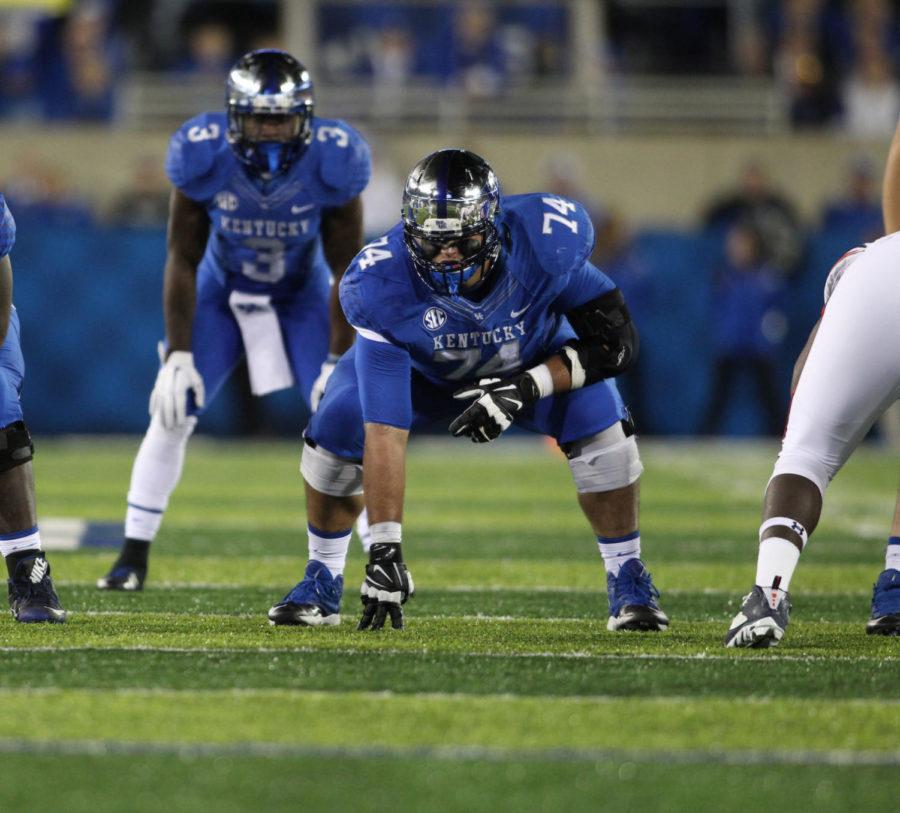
x,y
634,104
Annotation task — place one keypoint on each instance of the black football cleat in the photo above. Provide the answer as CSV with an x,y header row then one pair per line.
x,y
123,577
32,599
759,624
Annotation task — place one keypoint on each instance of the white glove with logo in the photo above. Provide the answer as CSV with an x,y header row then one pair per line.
x,y
318,387
170,393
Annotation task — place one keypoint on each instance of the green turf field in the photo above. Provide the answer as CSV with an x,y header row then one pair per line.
x,y
505,692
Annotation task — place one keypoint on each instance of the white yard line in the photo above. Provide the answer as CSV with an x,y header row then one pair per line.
x,y
598,591
309,650
259,614
836,758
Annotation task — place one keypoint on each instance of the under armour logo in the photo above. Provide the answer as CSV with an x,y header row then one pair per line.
x,y
797,528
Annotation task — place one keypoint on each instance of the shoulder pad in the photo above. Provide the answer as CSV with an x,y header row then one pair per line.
x,y
558,231
7,228
194,161
373,281
343,156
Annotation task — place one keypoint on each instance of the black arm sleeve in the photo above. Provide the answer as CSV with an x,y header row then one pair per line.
x,y
607,342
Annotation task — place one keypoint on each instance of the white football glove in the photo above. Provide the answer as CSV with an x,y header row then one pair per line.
x,y
170,393
318,387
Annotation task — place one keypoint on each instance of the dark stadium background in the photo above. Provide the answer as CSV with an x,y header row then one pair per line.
x,y
646,111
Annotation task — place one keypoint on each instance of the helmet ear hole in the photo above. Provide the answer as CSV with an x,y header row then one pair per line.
x,y
452,201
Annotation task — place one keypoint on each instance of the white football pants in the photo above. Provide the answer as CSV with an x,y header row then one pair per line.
x,y
852,373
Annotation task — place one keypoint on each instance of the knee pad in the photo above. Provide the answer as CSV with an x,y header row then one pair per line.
x,y
805,464
605,461
330,474
16,447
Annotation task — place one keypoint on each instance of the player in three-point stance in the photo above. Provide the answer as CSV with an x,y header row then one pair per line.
x,y
481,310
31,594
846,377
265,208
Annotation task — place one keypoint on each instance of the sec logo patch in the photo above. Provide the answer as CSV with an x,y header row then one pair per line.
x,y
227,201
434,318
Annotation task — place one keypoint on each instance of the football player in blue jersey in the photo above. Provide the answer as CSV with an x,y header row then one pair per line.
x,y
31,594
481,312
265,209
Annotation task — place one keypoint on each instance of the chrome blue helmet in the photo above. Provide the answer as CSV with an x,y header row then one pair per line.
x,y
269,99
452,200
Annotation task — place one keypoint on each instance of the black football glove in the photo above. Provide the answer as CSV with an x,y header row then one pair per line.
x,y
499,401
387,585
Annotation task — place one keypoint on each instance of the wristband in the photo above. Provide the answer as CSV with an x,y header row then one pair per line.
x,y
543,378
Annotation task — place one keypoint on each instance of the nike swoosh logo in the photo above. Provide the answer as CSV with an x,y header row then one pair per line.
x,y
739,619
517,314
295,210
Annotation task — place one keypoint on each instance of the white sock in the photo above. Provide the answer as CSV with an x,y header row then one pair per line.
x,y
329,548
892,555
618,550
156,472
776,562
363,532
28,539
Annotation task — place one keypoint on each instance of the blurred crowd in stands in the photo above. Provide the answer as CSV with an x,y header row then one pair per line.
x,y
725,303
834,60
757,269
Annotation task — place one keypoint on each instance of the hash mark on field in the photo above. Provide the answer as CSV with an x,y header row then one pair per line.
x,y
454,754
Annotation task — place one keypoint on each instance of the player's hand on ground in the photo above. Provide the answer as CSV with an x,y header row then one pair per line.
x,y
388,585
175,379
498,402
318,387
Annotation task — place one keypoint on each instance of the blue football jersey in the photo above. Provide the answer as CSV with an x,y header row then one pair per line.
x,y
265,237
451,340
7,228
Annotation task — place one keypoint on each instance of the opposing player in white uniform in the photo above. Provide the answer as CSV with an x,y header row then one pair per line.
x,y
847,376
265,209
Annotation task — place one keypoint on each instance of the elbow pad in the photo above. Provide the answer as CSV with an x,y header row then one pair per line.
x,y
607,342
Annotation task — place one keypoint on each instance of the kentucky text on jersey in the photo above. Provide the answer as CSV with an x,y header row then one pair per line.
x,y
265,238
264,228
476,338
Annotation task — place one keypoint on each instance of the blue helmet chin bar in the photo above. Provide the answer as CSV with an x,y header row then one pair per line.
x,y
449,278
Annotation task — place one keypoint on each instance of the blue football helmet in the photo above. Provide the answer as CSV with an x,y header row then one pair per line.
x,y
452,201
269,99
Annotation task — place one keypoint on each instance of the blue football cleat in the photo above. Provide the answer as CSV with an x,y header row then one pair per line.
x,y
632,600
885,618
32,599
314,602
759,624
123,577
